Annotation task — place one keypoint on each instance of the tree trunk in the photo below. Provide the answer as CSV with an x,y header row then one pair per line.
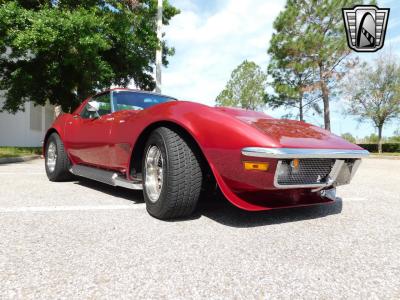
x,y
325,98
380,128
301,113
57,111
160,48
327,117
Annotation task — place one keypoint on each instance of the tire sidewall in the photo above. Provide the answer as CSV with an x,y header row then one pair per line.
x,y
156,208
58,170
50,174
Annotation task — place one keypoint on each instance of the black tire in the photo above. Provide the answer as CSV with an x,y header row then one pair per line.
x,y
182,175
61,171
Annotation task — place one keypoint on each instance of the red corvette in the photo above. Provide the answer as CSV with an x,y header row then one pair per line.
x,y
171,149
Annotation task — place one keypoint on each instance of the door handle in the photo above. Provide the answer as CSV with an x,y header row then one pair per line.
x,y
110,119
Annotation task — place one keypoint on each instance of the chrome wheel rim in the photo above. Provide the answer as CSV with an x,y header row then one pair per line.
x,y
51,158
154,164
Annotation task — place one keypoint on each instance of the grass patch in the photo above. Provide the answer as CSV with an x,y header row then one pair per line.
x,y
387,154
19,151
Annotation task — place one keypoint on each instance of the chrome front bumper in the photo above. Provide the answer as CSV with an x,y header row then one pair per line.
x,y
287,153
345,165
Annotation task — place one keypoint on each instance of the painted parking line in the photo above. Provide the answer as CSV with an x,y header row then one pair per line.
x,y
19,173
354,199
20,166
70,208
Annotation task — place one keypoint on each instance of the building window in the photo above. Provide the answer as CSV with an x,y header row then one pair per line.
x,y
35,117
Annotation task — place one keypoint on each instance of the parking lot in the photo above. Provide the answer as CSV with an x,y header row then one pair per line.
x,y
83,239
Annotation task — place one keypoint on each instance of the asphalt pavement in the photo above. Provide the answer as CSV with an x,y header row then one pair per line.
x,y
82,239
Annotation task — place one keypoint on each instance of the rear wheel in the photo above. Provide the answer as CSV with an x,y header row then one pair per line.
x,y
56,160
172,175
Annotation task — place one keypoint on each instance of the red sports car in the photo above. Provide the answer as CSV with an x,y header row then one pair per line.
x,y
173,150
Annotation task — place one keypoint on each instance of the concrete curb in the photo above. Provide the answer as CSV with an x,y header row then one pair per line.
x,y
11,160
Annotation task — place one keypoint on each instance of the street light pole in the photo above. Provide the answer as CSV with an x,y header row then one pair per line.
x,y
159,49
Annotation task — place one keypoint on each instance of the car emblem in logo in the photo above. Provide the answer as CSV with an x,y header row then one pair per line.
x,y
365,27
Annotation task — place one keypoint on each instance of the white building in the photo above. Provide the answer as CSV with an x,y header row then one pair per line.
x,y
27,128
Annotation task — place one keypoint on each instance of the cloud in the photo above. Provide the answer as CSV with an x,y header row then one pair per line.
x,y
210,45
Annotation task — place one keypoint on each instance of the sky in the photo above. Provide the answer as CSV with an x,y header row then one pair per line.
x,y
212,37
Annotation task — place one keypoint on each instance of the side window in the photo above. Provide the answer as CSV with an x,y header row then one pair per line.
x,y
85,114
105,104
104,107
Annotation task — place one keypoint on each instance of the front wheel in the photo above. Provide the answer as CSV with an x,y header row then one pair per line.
x,y
172,176
56,160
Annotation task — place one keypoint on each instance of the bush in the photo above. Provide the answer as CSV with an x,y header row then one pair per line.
x,y
387,147
349,137
391,147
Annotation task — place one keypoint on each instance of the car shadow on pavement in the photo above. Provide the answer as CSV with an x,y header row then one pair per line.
x,y
225,213
118,192
222,211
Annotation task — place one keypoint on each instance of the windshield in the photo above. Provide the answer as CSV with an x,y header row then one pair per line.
x,y
128,100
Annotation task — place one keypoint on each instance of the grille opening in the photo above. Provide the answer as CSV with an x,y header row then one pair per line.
x,y
309,171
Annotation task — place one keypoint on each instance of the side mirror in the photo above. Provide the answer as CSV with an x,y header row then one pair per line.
x,y
94,106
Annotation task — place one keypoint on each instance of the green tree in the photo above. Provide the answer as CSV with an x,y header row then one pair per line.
x,y
314,46
245,89
62,51
291,71
394,139
349,137
373,92
372,138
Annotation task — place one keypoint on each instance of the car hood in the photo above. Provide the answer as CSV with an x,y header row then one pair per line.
x,y
290,133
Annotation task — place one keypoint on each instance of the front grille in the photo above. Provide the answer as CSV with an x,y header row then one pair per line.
x,y
310,171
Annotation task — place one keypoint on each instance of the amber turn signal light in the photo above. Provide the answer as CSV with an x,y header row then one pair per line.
x,y
295,164
253,165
